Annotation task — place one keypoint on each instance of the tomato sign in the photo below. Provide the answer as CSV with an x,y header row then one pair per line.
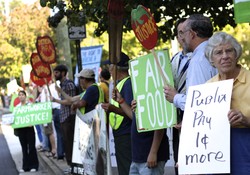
x,y
144,27
38,81
41,69
46,49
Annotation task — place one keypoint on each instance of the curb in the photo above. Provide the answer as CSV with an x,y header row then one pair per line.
x,y
51,166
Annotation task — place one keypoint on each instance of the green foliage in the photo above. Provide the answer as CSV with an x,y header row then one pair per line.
x,y
165,12
19,32
242,33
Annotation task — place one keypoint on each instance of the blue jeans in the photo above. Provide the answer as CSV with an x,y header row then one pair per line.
x,y
45,143
142,169
60,146
39,133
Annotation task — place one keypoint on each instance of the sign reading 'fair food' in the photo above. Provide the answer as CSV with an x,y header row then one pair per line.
x,y
153,110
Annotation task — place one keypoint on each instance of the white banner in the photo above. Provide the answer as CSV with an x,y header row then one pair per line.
x,y
90,143
205,136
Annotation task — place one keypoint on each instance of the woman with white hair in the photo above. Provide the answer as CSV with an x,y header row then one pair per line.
x,y
224,51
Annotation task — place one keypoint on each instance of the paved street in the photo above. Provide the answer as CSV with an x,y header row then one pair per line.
x,y
14,149
7,165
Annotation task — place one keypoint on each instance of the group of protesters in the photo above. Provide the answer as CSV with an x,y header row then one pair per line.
x,y
205,57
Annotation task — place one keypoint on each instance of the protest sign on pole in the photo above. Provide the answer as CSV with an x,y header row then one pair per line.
x,y
241,11
205,135
91,59
28,115
153,110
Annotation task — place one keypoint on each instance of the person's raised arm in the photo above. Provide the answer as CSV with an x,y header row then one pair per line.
x,y
68,100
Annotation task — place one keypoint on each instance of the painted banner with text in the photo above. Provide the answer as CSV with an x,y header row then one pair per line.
x,y
153,110
29,115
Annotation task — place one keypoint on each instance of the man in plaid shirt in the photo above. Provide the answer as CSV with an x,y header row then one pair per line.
x,y
67,116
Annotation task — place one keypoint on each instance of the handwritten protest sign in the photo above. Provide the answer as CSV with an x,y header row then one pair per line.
x,y
37,113
205,135
153,110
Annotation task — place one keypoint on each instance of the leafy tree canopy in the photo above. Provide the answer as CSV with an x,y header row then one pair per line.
x,y
19,31
165,12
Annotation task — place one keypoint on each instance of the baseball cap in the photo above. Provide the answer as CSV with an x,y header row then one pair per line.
x,y
124,59
86,73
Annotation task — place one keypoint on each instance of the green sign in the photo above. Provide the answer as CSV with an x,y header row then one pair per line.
x,y
37,113
153,110
241,11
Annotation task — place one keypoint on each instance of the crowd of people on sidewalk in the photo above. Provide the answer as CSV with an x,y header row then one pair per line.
x,y
205,57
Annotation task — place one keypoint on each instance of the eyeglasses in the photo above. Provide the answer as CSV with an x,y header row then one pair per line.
x,y
182,33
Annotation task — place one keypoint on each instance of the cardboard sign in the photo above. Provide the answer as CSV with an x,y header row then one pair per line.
x,y
46,49
38,81
205,135
90,142
41,69
153,110
28,115
144,27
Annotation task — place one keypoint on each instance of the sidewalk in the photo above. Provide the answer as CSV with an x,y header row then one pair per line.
x,y
54,166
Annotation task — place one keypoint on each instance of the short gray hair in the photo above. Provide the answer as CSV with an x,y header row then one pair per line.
x,y
219,38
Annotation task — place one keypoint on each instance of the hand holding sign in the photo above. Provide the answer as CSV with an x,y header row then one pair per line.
x,y
145,30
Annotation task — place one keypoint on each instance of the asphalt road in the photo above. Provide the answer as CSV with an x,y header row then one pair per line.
x,y
7,165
